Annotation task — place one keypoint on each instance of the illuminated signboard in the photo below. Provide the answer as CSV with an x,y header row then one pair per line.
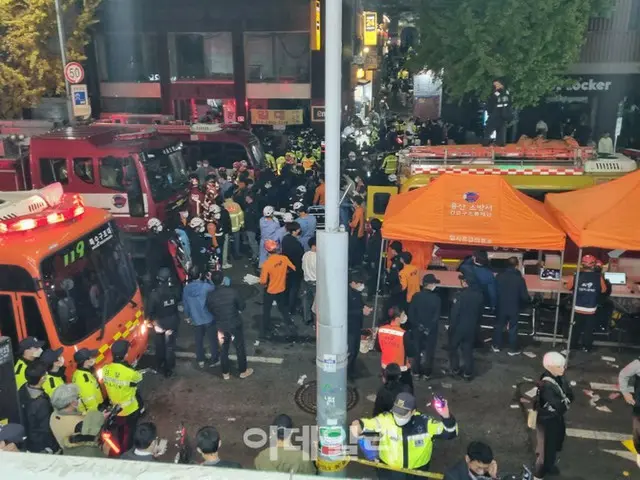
x,y
316,32
370,28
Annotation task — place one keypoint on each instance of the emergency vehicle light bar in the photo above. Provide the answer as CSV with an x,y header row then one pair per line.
x,y
140,135
206,128
41,208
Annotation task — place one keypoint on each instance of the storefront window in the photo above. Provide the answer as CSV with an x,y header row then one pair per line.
x,y
277,57
197,56
124,57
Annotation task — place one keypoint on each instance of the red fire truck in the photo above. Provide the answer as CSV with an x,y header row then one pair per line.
x,y
221,144
130,171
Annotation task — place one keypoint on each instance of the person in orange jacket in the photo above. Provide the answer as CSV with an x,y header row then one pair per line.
x,y
274,277
409,278
356,242
319,195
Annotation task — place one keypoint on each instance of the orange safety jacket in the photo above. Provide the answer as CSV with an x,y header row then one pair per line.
x,y
391,339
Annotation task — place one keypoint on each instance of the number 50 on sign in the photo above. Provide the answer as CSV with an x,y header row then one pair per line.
x,y
73,72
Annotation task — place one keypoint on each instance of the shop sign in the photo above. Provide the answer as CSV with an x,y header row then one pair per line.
x,y
589,85
317,114
370,28
276,117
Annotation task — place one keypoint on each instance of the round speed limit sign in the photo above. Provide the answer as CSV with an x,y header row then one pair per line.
x,y
73,72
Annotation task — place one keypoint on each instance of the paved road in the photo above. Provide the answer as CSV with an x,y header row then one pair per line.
x,y
488,408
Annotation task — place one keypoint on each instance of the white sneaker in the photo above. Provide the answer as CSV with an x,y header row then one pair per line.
x,y
513,354
226,376
247,373
495,349
227,266
638,460
201,364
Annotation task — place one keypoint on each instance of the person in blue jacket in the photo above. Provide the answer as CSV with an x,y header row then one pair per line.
x,y
484,276
194,297
268,229
307,225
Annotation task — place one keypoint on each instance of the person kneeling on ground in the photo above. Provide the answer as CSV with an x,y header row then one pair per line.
x,y
284,457
478,464
208,444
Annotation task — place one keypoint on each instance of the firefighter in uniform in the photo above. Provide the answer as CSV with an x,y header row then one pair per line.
x,y
30,349
406,435
394,344
54,361
91,398
390,164
121,382
409,279
163,311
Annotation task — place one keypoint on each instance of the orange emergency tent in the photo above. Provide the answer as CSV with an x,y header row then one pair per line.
x,y
604,216
484,211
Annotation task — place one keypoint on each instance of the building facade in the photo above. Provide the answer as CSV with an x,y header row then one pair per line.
x,y
185,57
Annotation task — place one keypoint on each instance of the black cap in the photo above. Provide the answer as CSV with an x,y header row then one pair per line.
x,y
84,354
30,342
404,404
430,279
49,356
396,245
120,348
12,433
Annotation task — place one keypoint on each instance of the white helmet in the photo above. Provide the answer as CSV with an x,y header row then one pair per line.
x,y
267,211
297,206
154,225
301,189
392,178
197,224
216,210
287,217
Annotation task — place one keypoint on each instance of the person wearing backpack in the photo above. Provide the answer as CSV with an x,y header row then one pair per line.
x,y
549,408
629,381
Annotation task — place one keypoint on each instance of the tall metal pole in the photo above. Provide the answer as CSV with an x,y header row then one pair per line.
x,y
555,324
573,305
332,264
63,57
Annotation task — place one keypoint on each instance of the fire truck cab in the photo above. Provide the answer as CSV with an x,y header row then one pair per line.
x,y
65,276
131,172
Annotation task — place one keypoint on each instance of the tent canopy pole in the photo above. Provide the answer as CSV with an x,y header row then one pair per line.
x,y
573,306
375,302
558,294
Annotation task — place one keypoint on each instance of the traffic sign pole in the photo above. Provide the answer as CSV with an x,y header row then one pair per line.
x,y
63,55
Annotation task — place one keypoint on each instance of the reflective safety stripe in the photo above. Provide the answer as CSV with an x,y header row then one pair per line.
x,y
391,332
116,381
450,429
124,333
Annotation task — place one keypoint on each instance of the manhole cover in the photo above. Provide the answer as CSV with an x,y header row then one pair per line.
x,y
305,397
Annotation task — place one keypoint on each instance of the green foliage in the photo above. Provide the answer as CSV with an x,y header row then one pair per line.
x,y
528,43
30,65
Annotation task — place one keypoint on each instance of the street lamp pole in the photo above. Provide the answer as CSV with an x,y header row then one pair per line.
x,y
63,57
332,264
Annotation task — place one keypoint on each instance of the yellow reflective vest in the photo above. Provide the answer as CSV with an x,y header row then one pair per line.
x,y
51,382
235,213
390,164
19,369
280,161
270,161
90,392
307,163
121,382
418,435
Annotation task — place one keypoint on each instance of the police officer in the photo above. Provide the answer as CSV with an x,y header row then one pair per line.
x,y
406,435
163,311
157,253
500,113
424,316
54,361
30,349
121,382
91,398
390,164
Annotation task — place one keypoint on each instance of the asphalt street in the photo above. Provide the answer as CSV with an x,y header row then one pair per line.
x,y
491,408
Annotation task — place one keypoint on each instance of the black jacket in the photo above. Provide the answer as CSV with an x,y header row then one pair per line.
x,y
355,304
373,248
162,307
225,305
157,253
292,249
251,217
37,410
225,221
424,311
467,309
460,471
549,401
512,291
387,394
